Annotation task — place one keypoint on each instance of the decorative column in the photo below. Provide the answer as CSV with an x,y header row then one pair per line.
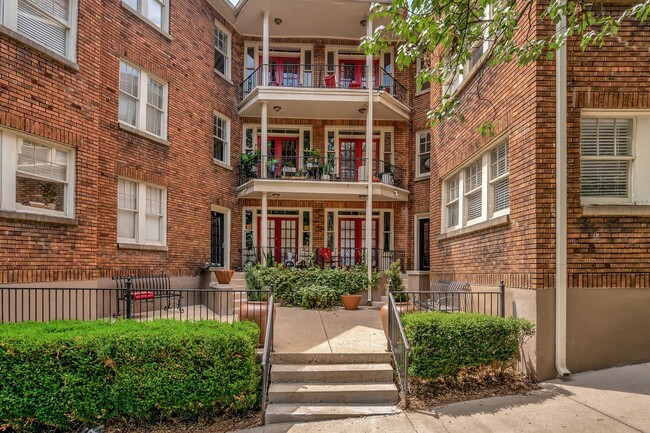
x,y
263,140
265,49
369,165
264,229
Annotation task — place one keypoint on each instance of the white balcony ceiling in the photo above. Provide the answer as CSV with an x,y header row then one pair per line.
x,y
304,18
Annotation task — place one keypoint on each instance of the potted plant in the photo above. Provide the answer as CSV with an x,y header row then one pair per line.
x,y
50,195
312,158
396,287
352,282
255,308
247,164
223,276
327,170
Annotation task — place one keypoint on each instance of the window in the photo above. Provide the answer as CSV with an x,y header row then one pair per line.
x,y
50,23
144,111
423,157
153,10
419,66
606,159
221,138
141,213
36,177
222,51
479,191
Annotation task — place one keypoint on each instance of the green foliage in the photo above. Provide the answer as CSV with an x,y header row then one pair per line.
x,y
442,344
395,283
254,283
61,375
453,29
317,296
288,282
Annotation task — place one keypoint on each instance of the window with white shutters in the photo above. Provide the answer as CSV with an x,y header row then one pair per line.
x,y
606,158
479,191
141,213
419,66
221,136
35,176
423,160
50,23
142,100
154,11
222,51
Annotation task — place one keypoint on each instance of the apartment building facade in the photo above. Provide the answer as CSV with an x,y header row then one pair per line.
x,y
493,198
132,139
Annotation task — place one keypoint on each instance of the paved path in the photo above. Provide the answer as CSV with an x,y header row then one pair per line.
x,y
612,400
335,331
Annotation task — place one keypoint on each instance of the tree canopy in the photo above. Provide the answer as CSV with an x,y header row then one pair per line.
x,y
448,33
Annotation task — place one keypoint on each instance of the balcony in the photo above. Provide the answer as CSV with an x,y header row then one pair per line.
x,y
308,176
322,91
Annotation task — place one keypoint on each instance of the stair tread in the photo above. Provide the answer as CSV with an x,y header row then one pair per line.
x,y
324,408
330,367
330,387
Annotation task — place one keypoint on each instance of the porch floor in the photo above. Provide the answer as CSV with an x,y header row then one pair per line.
x,y
336,331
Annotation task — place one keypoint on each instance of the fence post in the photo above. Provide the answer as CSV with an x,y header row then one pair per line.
x,y
128,297
502,302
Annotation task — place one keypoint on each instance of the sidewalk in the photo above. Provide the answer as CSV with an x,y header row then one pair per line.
x,y
612,400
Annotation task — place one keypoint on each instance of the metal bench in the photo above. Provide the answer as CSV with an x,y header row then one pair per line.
x,y
145,288
456,299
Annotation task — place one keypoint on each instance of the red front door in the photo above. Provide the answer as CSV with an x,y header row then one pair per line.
x,y
283,71
352,241
353,73
282,152
353,157
283,238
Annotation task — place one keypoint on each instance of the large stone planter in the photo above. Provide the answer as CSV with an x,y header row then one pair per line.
x,y
402,307
255,311
224,275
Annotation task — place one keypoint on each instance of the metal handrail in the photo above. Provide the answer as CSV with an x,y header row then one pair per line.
x,y
401,349
268,348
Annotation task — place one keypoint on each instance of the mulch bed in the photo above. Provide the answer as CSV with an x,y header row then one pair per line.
x,y
222,424
470,385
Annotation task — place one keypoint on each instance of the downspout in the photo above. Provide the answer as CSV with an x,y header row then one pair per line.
x,y
369,165
561,205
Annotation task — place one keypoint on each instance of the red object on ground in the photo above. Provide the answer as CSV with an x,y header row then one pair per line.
x,y
330,80
327,254
139,296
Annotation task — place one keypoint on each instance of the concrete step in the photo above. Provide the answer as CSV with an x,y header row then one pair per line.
x,y
279,413
332,373
331,358
356,393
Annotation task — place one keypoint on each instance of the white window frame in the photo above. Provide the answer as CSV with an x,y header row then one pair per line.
x,y
9,141
493,181
142,9
227,146
421,90
141,212
228,56
142,103
9,19
418,154
486,189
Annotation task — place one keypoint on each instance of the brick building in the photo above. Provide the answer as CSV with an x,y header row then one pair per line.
x,y
131,140
493,199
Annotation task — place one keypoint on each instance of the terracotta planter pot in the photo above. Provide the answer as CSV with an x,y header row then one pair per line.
x,y
351,302
402,307
224,275
256,311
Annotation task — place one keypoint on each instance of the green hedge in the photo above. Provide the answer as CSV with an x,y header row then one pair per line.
x,y
64,374
442,344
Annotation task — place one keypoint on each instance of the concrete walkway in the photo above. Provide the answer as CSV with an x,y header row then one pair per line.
x,y
336,331
612,400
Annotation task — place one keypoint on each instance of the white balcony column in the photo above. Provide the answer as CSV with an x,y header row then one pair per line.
x,y
369,166
265,50
264,228
263,140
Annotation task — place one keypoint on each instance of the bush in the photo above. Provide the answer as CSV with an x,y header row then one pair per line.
x,y
316,296
442,344
61,375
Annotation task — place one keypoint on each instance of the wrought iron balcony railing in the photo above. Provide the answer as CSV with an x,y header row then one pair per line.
x,y
342,76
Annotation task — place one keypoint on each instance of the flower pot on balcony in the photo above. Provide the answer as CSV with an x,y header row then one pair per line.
x,y
224,276
351,302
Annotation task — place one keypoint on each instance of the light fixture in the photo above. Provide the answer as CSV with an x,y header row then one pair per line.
x,y
362,196
277,108
363,23
363,110
278,21
275,195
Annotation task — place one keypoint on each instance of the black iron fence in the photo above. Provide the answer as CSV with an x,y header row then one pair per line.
x,y
322,257
484,302
342,76
268,348
318,168
47,304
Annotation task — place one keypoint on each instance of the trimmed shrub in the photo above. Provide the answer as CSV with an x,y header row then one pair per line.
x,y
61,375
316,296
442,344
